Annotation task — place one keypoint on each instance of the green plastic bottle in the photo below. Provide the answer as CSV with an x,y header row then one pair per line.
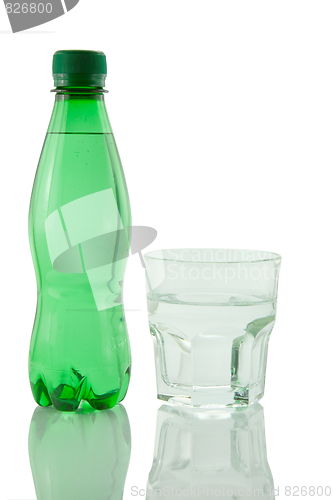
x,y
79,231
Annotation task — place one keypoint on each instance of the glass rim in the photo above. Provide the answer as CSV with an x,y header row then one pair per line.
x,y
266,256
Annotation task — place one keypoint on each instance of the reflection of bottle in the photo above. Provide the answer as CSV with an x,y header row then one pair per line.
x,y
210,453
79,456
79,236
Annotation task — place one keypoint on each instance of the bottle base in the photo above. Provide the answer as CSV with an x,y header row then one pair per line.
x,y
67,397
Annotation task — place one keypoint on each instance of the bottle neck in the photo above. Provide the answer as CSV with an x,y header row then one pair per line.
x,y
79,110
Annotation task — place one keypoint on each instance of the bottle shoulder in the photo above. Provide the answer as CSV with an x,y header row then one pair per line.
x,y
75,166
76,114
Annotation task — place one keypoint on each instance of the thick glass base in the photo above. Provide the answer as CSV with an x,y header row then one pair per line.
x,y
211,397
216,398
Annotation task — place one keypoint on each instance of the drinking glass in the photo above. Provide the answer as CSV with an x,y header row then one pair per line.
x,y
211,314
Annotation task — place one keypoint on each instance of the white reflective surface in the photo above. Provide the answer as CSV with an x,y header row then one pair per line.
x,y
170,447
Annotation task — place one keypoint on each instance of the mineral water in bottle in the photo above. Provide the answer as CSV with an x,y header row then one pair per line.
x,y
79,230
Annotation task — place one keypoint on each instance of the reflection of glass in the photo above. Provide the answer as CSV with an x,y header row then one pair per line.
x,y
211,313
210,454
79,456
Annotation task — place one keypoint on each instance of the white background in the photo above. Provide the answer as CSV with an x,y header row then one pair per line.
x,y
222,112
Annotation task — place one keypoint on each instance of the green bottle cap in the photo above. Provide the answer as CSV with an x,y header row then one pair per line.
x,y
79,68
